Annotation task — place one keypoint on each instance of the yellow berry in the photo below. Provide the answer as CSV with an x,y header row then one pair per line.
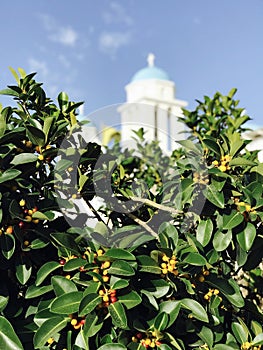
x,y
106,264
210,294
101,292
206,297
35,221
74,322
22,203
105,298
152,345
105,279
95,279
172,262
147,341
201,279
74,196
100,252
30,212
50,340
70,169
41,157
164,271
67,277
154,334
165,258
134,339
222,168
248,207
163,265
28,218
215,162
105,272
216,291
96,270
170,268
26,243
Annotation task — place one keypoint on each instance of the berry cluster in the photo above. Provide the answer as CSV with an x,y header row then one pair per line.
x,y
202,179
169,265
27,214
108,297
210,293
223,164
249,346
76,323
150,341
204,273
102,268
8,230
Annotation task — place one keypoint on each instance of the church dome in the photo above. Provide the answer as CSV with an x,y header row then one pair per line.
x,y
150,72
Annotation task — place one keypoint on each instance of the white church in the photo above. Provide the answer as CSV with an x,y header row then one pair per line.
x,y
151,104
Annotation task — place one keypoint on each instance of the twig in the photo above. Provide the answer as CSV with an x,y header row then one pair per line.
x,y
156,205
143,224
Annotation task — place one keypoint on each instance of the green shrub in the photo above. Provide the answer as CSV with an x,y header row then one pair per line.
x,y
173,261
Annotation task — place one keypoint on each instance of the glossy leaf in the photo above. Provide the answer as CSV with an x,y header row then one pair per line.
x,y
46,270
67,303
48,330
118,314
8,338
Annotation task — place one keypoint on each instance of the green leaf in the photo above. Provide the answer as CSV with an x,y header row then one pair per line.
x,y
171,308
9,92
9,174
63,101
191,146
158,287
23,271
258,340
46,270
121,268
3,302
212,145
207,336
161,321
118,315
247,236
48,121
197,309
66,303
229,288
88,303
204,231
130,300
62,285
8,338
112,346
240,332
48,215
222,240
232,220
74,264
147,264
47,330
91,327
119,284
7,244
116,253
33,291
65,240
24,158
240,161
195,259
215,197
35,135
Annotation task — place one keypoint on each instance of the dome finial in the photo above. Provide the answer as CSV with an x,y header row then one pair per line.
x,y
150,59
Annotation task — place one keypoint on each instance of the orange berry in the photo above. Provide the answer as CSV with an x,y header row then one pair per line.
x,y
201,279
28,218
9,230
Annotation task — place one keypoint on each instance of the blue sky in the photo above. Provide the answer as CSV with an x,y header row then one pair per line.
x,y
91,49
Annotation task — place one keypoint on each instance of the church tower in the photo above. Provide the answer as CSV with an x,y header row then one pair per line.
x,y
151,104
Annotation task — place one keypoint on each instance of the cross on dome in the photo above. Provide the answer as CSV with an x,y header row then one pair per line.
x,y
150,59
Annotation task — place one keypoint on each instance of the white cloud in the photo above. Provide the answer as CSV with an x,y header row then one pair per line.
x,y
64,61
38,66
117,14
110,42
64,35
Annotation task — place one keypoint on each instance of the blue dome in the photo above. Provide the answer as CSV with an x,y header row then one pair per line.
x,y
150,73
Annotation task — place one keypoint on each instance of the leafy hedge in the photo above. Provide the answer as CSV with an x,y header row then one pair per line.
x,y
174,259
